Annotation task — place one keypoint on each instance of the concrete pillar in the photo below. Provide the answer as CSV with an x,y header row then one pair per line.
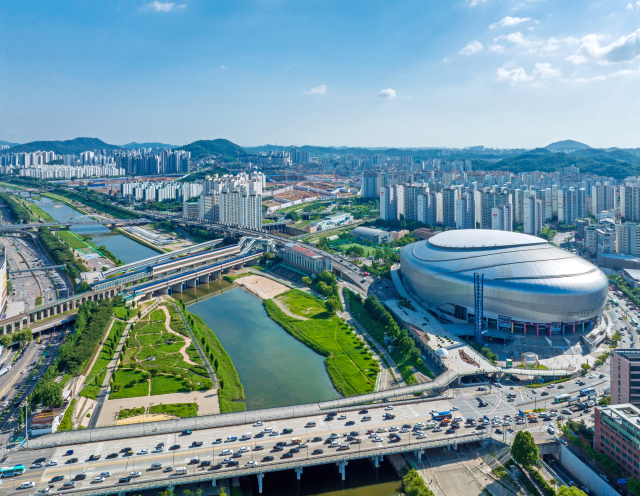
x,y
298,472
341,467
204,279
455,446
176,288
418,454
214,483
449,447
260,477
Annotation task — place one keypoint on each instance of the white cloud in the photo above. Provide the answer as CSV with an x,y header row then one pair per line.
x,y
497,48
509,21
318,90
625,49
622,72
541,71
632,6
388,93
471,48
473,3
223,67
163,6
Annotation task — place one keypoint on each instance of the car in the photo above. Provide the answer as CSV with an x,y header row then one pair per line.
x,y
68,453
551,430
46,490
72,460
68,485
274,433
560,386
195,461
267,429
205,463
437,428
160,445
98,479
218,441
601,376
481,427
342,417
52,463
233,463
157,449
122,480
287,431
258,424
388,407
363,411
112,455
187,433
196,444
454,408
93,458
80,477
498,385
143,451
295,450
267,458
604,477
156,466
37,465
174,447
550,386
168,469
105,474
316,439
40,460
277,448
27,485
287,455
252,463
591,376
350,422
545,393
317,451
57,478
498,431
244,449
135,474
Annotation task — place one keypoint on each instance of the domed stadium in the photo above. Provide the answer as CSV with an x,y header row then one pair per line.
x,y
530,285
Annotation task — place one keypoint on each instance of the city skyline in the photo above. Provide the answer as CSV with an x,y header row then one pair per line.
x,y
504,75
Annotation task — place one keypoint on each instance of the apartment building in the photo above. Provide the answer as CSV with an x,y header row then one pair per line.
x,y
502,217
532,215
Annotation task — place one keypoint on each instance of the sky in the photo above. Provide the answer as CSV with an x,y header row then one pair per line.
x,y
456,73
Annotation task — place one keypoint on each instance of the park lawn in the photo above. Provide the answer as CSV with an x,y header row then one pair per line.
x,y
167,384
92,390
38,212
368,250
377,332
302,303
153,339
107,351
182,410
66,424
192,351
351,373
70,239
124,313
122,378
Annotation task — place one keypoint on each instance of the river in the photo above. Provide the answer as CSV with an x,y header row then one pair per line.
x,y
122,247
275,368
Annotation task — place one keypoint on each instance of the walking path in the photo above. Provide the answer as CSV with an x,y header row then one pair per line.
x,y
392,368
187,340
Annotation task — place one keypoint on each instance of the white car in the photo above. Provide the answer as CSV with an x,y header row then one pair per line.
x,y
591,376
26,485
37,465
99,479
375,440
267,429
258,424
551,430
498,385
244,449
454,408
303,445
252,463
157,449
437,428
389,407
105,474
274,433
342,417
135,474
226,452
46,490
143,451
52,463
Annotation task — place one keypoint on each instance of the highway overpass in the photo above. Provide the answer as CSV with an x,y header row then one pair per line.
x,y
66,223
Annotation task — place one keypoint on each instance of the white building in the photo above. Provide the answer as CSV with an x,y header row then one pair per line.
x,y
502,217
532,213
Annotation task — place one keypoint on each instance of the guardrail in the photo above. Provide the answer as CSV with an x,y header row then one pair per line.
x,y
211,475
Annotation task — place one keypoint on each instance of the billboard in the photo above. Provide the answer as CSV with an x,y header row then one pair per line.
x,y
504,321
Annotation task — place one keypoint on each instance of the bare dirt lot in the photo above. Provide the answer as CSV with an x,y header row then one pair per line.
x,y
264,287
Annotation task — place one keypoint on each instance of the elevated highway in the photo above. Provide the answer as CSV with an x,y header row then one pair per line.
x,y
101,220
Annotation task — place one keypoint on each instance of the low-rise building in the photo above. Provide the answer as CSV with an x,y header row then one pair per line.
x,y
424,233
372,235
617,434
331,222
46,422
632,276
297,256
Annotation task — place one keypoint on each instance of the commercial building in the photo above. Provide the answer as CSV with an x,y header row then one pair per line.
x,y
617,434
305,259
632,277
372,235
530,286
625,376
424,233
333,221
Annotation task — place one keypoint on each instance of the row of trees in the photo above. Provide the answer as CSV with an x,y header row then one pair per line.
x,y
21,214
326,284
97,201
60,253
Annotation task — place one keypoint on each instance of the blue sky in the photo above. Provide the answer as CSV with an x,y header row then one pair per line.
x,y
501,73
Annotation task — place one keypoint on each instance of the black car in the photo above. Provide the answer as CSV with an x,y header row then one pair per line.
x,y
80,477
40,460
196,444
237,454
316,439
277,448
267,459
111,455
288,455
498,431
72,460
160,445
124,479
57,478
217,466
205,463
294,450
363,411
218,441
281,443
450,430
544,393
128,453
258,447
287,431
259,434
317,451
124,450
174,447
480,428
232,463
350,422
186,433
93,458
194,461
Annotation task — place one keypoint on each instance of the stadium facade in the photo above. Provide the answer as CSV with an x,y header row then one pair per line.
x,y
530,285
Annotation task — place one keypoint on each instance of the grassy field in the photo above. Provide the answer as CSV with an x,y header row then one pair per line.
x,y
352,369
377,332
155,352
182,410
130,412
230,392
75,242
98,373
124,313
368,250
66,423
38,212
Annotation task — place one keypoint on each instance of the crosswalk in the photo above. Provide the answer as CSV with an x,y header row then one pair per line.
x,y
465,394
459,460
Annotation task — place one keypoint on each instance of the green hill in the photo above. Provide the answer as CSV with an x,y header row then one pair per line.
x,y
7,143
615,164
69,147
567,146
133,145
217,147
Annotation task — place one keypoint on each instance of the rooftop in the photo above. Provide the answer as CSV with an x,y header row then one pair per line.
x,y
482,238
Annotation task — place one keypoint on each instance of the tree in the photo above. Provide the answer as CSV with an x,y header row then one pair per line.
x,y
331,305
223,491
585,368
51,394
570,491
293,216
83,287
634,486
307,280
524,449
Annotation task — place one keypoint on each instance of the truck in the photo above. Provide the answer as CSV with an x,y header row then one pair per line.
x,y
246,435
296,440
388,416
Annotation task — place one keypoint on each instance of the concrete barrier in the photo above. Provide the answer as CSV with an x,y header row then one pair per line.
x,y
588,477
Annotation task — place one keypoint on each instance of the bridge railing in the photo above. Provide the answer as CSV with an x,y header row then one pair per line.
x,y
277,465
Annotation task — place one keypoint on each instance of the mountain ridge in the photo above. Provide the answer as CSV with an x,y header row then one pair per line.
x,y
69,147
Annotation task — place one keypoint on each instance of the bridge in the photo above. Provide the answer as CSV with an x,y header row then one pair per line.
x,y
107,222
35,269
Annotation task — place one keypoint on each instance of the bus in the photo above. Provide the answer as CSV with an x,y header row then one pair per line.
x,y
441,415
561,397
12,471
634,322
588,392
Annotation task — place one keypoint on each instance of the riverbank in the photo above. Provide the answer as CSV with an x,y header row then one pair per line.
x,y
138,240
349,364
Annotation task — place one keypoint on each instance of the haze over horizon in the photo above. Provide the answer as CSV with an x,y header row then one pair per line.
x,y
506,74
